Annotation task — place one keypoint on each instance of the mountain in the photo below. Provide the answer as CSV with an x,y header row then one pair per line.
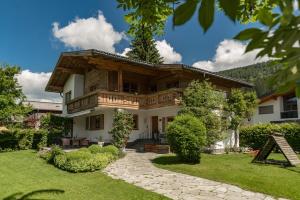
x,y
257,74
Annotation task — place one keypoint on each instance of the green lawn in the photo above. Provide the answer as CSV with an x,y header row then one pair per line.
x,y
24,171
237,169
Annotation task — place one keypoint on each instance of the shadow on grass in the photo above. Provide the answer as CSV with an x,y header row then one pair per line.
x,y
31,195
169,160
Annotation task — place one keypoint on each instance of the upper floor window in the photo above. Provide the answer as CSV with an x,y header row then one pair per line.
x,y
93,88
266,109
290,103
68,96
113,82
174,84
130,87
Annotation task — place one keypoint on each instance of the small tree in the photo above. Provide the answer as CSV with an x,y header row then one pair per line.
x,y
203,101
11,95
186,136
240,106
122,127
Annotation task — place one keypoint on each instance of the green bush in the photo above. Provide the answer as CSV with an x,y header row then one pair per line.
x,y
255,136
82,161
95,149
20,139
186,135
111,149
50,155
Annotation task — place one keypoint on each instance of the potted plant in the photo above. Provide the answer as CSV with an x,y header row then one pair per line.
x,y
100,141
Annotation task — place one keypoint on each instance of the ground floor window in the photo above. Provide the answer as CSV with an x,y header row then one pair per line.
x,y
135,122
165,121
95,122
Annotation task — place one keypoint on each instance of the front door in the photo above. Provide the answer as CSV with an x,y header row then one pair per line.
x,y
154,127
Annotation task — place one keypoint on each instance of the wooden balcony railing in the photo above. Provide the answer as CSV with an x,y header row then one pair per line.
x,y
125,100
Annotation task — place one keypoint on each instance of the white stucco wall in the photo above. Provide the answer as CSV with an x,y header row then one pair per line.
x,y
75,84
276,115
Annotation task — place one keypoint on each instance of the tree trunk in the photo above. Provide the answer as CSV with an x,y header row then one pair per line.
x,y
236,138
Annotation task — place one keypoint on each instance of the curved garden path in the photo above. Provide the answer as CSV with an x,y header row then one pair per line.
x,y
137,169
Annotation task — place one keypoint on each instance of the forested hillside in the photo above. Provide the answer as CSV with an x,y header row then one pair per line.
x,y
258,74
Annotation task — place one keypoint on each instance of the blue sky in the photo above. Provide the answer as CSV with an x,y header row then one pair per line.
x,y
28,38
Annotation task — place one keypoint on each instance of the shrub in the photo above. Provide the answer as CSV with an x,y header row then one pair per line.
x,y
95,148
186,135
20,139
111,149
50,155
82,161
255,136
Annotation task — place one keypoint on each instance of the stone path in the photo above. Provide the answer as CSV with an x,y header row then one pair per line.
x,y
137,169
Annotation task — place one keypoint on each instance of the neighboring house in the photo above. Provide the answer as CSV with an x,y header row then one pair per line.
x,y
94,83
277,108
40,109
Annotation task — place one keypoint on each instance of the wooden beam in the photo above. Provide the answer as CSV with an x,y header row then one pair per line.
x,y
70,70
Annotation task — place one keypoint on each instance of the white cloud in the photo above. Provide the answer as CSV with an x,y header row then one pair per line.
x,y
33,86
167,52
126,50
89,33
230,54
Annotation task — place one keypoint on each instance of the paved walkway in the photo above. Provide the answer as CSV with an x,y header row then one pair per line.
x,y
137,169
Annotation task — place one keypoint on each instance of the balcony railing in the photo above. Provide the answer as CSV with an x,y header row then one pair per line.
x,y
125,100
289,114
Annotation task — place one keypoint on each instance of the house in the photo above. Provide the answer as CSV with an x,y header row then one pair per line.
x,y
40,109
94,83
278,108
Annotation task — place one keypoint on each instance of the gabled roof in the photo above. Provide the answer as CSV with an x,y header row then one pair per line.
x,y
78,61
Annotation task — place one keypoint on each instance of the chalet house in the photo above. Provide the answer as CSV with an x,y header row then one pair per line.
x,y
40,109
94,83
278,108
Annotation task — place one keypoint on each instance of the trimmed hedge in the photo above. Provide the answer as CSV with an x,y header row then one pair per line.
x,y
20,139
83,160
255,136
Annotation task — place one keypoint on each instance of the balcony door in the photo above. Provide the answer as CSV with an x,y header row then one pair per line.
x,y
154,129
290,109
113,81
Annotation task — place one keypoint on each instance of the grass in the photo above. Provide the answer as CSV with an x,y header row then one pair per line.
x,y
238,170
24,171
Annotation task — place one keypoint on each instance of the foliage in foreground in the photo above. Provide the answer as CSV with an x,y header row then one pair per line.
x,y
186,136
255,136
28,196
84,160
121,128
201,100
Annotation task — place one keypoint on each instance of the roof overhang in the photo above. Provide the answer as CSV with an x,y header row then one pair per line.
x,y
77,62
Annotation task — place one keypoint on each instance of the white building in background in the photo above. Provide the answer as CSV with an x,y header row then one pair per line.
x,y
94,83
277,108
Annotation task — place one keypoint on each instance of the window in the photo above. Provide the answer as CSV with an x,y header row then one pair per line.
x,y
113,82
135,122
165,121
174,84
68,96
265,109
93,88
95,122
290,103
130,87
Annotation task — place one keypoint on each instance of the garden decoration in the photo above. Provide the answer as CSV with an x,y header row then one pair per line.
x,y
277,140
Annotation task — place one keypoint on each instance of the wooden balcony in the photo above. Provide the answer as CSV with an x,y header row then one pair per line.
x,y
124,100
